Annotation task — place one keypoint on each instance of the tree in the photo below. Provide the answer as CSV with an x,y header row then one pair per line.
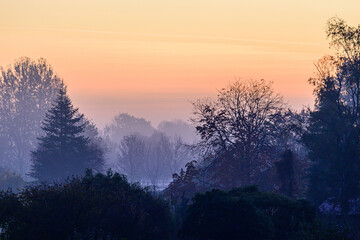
x,y
97,206
240,129
285,170
178,129
151,159
96,142
63,150
131,160
27,90
123,125
333,135
181,154
158,158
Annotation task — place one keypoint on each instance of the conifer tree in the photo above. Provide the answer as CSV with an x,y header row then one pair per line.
x,y
63,150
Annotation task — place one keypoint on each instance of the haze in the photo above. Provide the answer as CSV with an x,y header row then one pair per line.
x,y
151,58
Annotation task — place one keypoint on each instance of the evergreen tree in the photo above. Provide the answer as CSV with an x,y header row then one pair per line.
x,y
64,150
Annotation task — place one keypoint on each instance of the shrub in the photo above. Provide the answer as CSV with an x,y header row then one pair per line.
x,y
94,207
245,213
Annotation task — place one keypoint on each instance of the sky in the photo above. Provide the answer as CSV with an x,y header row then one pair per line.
x,y
153,58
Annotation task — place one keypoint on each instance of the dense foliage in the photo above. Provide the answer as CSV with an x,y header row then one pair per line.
x,y
94,207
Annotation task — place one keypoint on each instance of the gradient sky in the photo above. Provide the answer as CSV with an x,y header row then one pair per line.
x,y
152,57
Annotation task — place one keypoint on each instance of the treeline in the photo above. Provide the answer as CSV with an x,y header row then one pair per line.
x,y
33,98
100,206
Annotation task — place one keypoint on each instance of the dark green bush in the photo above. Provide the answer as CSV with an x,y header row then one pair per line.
x,y
94,207
245,213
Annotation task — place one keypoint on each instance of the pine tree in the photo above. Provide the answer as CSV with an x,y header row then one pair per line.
x,y
63,150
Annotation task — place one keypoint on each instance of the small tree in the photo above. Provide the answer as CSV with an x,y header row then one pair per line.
x,y
63,150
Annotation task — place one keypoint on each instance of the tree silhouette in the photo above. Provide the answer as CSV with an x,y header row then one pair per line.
x,y
285,170
63,150
27,90
333,135
239,130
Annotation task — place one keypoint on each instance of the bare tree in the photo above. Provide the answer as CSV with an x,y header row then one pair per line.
x,y
151,160
123,125
179,129
158,157
181,154
27,89
131,157
240,128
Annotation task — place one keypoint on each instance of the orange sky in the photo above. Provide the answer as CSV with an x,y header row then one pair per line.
x,y
150,58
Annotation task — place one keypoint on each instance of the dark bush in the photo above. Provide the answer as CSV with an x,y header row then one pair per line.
x,y
94,207
245,213
220,215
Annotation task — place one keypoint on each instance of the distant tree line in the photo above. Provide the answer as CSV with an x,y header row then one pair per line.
x,y
146,154
43,137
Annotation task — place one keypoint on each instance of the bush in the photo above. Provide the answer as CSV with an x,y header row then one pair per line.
x,y
220,215
94,207
245,213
